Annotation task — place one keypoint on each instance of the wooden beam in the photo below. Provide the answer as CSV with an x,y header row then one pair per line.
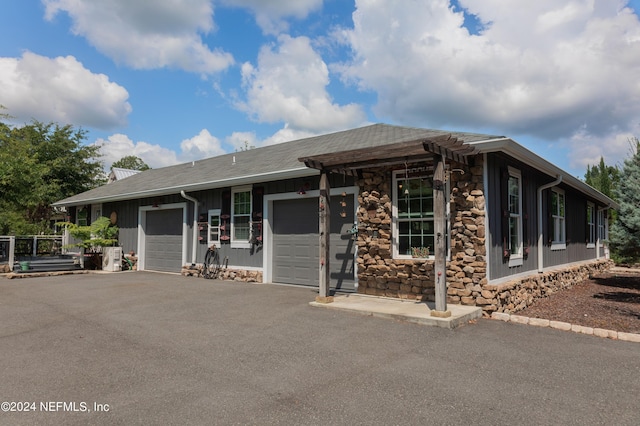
x,y
324,210
440,249
350,169
453,149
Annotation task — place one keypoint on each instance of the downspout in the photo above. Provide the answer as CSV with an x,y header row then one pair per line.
x,y
195,225
540,233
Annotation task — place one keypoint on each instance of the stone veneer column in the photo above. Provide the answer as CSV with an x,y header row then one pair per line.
x,y
466,272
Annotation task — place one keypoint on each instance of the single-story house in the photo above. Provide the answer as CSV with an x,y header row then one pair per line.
x,y
513,227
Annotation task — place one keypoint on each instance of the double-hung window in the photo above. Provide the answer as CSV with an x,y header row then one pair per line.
x,y
515,217
591,225
413,216
558,219
241,216
602,225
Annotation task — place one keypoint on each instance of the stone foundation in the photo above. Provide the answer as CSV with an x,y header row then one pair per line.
x,y
404,279
517,294
242,275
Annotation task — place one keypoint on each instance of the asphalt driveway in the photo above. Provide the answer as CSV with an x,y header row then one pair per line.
x,y
145,348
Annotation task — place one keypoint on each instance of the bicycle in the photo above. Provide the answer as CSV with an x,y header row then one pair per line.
x,y
211,266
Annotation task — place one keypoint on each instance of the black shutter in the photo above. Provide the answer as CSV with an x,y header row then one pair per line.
x,y
504,207
225,217
550,212
525,219
587,231
256,216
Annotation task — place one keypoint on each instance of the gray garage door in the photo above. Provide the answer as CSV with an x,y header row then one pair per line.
x,y
163,240
296,243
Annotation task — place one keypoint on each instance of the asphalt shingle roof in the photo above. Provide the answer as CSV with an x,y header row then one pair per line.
x,y
257,165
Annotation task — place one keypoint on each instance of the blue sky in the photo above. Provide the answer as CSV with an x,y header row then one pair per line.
x,y
180,80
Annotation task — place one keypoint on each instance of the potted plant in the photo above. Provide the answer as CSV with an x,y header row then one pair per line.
x,y
93,238
419,252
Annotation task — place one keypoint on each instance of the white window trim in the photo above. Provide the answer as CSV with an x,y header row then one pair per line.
x,y
593,224
518,258
211,213
560,244
399,175
601,226
240,243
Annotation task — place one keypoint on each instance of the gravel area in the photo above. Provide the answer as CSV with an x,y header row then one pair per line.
x,y
610,301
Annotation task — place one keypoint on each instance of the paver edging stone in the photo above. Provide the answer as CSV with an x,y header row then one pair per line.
x,y
565,326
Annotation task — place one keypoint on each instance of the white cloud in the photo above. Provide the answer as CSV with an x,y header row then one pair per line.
x,y
60,90
203,145
242,140
290,84
270,14
117,146
147,34
615,147
548,68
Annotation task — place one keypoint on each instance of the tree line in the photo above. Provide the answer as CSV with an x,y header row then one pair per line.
x,y
41,163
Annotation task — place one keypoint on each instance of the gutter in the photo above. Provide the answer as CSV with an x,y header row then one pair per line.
x,y
540,233
195,225
517,151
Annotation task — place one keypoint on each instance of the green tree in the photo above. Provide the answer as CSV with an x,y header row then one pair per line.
x,y
603,178
39,164
131,162
625,231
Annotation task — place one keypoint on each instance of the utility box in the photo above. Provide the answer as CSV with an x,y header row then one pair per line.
x,y
112,259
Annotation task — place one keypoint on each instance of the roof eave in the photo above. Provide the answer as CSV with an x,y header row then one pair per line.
x,y
517,151
200,186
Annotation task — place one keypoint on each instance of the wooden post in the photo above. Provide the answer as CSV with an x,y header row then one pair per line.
x,y
440,249
324,210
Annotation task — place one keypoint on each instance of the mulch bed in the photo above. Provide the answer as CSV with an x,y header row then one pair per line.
x,y
610,300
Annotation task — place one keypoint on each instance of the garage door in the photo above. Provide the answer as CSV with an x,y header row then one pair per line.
x,y
296,244
163,240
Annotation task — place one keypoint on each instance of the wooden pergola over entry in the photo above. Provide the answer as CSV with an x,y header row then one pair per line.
x,y
349,162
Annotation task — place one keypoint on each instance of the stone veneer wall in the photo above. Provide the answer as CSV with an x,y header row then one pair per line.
x,y
381,275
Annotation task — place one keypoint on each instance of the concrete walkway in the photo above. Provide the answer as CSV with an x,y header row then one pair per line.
x,y
403,310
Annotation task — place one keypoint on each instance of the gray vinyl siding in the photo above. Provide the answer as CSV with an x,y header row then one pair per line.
x,y
498,265
127,212
575,228
575,221
127,223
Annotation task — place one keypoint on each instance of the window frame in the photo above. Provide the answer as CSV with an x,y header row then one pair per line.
x,y
235,242
591,225
82,216
515,258
415,173
559,222
602,225
210,214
